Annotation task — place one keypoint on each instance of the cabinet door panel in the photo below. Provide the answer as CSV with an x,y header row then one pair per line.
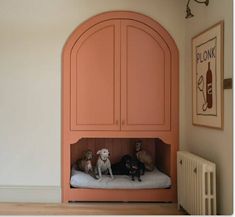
x,y
95,78
146,75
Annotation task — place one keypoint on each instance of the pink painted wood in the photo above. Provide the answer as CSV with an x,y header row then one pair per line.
x,y
116,146
76,121
95,78
145,83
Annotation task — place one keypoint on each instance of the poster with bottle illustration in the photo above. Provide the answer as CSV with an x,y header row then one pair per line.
x,y
207,78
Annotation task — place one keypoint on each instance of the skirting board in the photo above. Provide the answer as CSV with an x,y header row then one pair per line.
x,y
33,194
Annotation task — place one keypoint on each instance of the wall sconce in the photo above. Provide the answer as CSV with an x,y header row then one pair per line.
x,y
188,10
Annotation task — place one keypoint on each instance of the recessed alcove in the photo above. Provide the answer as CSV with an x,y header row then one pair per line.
x,y
118,147
120,84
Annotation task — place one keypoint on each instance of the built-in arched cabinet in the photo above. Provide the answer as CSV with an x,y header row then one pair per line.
x,y
120,80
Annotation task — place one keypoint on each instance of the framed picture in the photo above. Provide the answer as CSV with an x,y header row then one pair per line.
x,y
207,78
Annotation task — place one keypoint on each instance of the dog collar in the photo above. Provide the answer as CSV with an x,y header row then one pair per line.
x,y
103,160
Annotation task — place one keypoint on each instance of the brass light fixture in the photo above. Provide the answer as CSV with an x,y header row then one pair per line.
x,y
188,10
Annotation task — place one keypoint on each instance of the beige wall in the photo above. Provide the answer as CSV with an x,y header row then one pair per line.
x,y
215,145
32,34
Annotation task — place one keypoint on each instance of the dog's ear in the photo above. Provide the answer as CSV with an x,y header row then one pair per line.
x,y
98,152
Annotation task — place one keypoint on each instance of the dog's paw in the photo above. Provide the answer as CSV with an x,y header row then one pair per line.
x,y
96,177
112,177
100,179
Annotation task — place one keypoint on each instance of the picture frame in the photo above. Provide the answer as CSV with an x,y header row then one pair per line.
x,y
207,77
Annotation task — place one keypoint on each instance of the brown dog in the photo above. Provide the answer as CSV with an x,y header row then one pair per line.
x,y
144,157
84,163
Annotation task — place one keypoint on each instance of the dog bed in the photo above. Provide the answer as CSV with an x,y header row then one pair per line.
x,y
154,179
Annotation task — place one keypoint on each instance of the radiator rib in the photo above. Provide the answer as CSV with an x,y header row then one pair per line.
x,y
196,184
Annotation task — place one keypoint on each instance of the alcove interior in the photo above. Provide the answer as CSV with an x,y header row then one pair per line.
x,y
118,147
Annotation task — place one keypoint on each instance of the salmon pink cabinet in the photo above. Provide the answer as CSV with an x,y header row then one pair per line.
x,y
120,78
95,78
145,78
120,82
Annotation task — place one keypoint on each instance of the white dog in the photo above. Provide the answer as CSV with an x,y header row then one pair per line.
x,y
103,164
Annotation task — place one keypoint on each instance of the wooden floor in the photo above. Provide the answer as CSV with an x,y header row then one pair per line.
x,y
89,209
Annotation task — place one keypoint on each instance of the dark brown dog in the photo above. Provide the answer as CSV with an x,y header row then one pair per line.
x,y
129,166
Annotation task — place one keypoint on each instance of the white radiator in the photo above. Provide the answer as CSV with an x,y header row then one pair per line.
x,y
196,184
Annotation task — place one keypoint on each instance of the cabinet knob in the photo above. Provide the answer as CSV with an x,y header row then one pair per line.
x,y
123,122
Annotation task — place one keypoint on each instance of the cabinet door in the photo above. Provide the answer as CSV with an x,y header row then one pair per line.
x,y
145,78
95,78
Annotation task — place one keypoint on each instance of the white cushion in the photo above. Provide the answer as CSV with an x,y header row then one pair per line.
x,y
154,179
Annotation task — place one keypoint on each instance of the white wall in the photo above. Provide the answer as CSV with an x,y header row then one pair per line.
x,y
32,34
215,145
